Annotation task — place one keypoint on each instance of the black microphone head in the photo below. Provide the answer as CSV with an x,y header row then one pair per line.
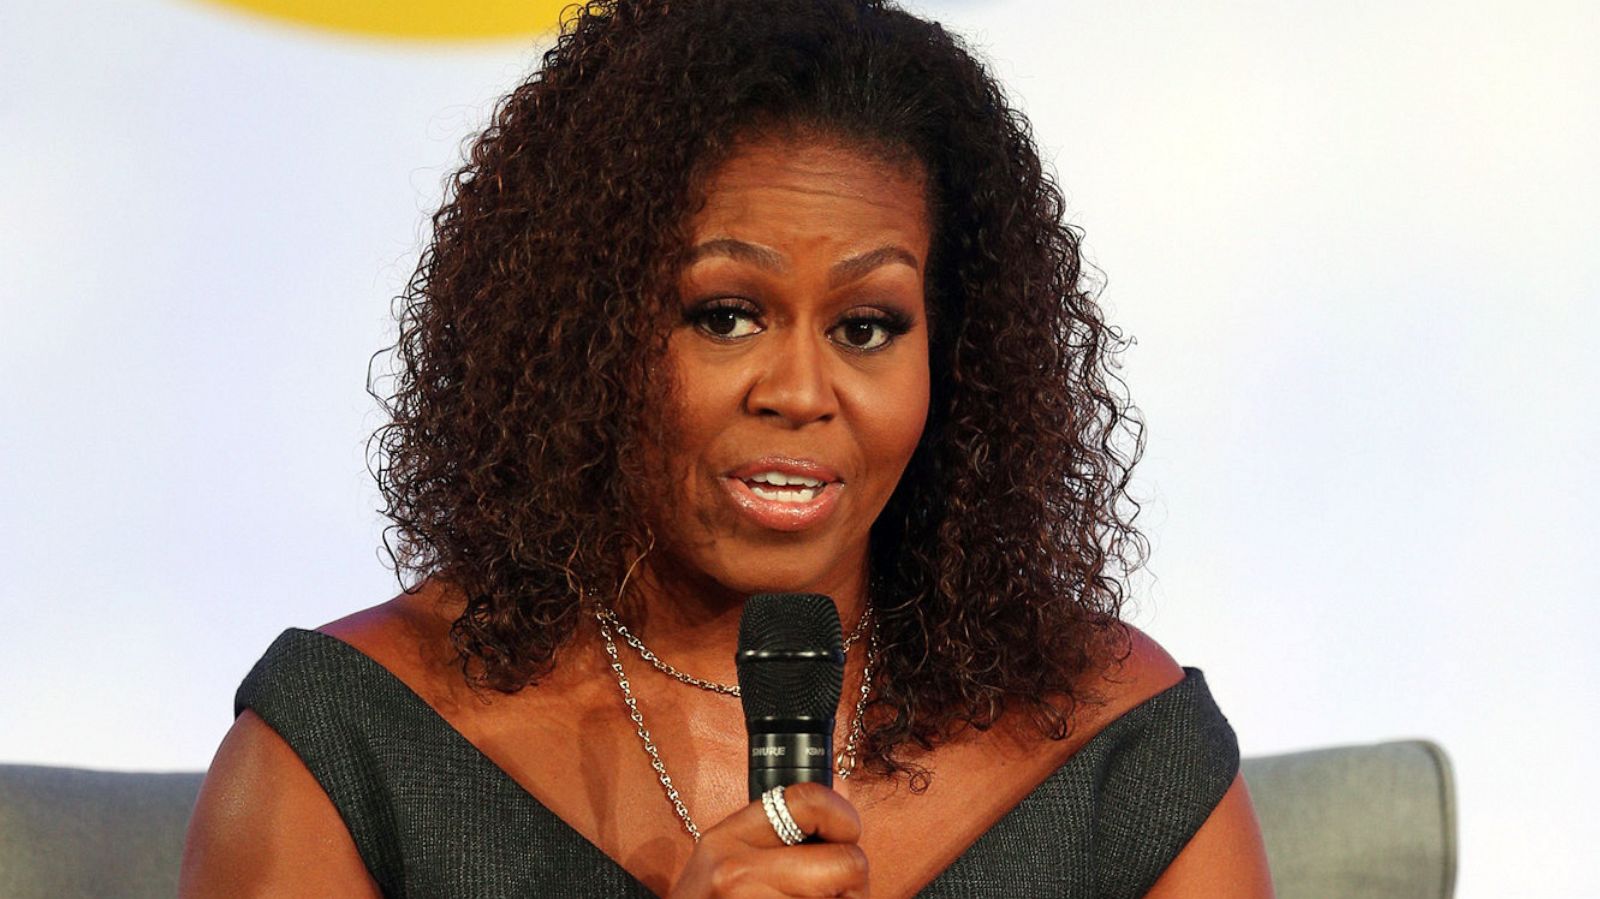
x,y
790,658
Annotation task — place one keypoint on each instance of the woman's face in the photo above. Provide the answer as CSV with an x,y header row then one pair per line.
x,y
801,365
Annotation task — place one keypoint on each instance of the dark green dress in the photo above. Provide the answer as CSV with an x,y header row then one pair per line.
x,y
432,816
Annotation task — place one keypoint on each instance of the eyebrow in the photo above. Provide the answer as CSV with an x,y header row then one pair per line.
x,y
764,257
857,266
754,254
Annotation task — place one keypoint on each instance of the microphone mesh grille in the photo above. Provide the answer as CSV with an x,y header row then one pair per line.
x,y
780,624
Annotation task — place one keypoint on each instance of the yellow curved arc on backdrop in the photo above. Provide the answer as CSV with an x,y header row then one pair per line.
x,y
415,19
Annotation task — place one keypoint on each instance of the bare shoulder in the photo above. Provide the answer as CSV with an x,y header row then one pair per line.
x,y
1149,664
410,636
263,826
422,615
1226,856
1138,669
1145,670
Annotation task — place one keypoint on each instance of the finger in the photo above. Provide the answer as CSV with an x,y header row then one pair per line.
x,y
816,809
813,869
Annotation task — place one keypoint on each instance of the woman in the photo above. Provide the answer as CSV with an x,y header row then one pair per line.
x,y
736,298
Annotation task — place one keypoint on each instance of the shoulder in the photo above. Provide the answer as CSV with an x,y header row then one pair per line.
x,y
263,826
262,823
1139,669
1134,669
393,630
1146,670
410,637
1226,855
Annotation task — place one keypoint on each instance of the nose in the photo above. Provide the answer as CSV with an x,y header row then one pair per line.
x,y
794,383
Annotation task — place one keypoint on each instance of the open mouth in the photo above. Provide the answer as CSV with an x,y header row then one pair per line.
x,y
783,499
785,488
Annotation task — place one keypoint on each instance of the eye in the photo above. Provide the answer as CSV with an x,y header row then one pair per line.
x,y
870,332
727,319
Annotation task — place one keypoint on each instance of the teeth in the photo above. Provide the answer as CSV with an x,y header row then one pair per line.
x,y
779,479
803,495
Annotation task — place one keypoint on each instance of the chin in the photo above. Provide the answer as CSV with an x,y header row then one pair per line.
x,y
775,571
769,581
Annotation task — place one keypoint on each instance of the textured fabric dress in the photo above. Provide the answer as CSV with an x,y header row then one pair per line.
x,y
433,816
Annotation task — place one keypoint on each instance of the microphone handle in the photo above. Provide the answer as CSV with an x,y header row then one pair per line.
x,y
781,759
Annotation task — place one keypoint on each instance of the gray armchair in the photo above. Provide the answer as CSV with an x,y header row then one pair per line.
x,y
1375,822
70,833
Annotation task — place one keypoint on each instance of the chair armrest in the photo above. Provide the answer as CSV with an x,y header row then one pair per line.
x,y
70,832
1373,821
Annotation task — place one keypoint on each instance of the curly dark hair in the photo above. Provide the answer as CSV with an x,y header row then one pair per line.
x,y
514,464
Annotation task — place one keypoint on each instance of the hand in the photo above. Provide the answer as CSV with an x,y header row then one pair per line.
x,y
742,855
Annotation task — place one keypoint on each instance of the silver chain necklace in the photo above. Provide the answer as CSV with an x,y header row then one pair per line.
x,y
844,762
609,617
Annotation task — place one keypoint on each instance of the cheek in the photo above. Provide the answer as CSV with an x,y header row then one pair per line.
x,y
914,419
699,405
693,404
897,414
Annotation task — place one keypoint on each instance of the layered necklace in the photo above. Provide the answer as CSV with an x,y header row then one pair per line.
x,y
844,762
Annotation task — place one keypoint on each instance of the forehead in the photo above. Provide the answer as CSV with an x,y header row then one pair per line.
x,y
791,187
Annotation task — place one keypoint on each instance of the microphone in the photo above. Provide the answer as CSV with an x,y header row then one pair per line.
x,y
791,669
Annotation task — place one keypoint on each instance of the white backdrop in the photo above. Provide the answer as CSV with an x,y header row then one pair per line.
x,y
1355,242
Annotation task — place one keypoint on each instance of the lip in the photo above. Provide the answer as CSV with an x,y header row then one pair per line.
x,y
806,468
777,515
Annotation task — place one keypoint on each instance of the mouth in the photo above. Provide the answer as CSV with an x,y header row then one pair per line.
x,y
784,493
